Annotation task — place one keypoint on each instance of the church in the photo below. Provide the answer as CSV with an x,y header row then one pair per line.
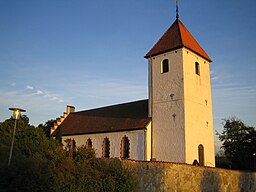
x,y
174,124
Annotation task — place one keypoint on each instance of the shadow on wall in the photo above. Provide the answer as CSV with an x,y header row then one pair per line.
x,y
168,177
150,177
210,181
247,182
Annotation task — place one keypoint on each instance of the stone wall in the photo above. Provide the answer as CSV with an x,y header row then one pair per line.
x,y
162,176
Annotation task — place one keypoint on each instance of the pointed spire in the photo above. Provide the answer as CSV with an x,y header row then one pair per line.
x,y
177,10
177,36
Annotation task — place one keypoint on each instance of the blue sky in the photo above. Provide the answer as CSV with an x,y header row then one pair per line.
x,y
91,53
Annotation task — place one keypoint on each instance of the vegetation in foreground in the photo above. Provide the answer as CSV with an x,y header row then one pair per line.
x,y
42,164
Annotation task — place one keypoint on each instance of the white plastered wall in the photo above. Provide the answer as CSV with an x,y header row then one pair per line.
x,y
136,139
198,108
148,142
184,120
167,111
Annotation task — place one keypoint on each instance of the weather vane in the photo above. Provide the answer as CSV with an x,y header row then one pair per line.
x,y
177,9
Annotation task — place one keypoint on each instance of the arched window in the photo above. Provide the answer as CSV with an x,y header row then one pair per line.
x,y
106,148
201,154
89,143
125,148
165,66
197,68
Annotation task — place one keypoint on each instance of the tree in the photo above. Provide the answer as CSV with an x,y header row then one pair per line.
x,y
6,128
41,164
46,127
239,143
31,152
59,134
221,160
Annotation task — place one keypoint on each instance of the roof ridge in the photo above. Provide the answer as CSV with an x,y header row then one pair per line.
x,y
113,105
198,50
180,34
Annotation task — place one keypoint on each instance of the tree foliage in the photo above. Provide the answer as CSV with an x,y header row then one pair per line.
x,y
221,160
239,143
59,134
42,164
46,127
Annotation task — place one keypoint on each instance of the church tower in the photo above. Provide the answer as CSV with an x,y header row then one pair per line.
x,y
180,102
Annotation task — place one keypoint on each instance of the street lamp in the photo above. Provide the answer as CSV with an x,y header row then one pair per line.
x,y
254,161
16,116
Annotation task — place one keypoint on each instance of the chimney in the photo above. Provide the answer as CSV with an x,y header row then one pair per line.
x,y
70,109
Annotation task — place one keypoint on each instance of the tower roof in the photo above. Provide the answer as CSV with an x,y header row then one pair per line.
x,y
175,37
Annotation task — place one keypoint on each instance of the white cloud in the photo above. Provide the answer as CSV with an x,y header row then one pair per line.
x,y
28,87
87,92
101,92
13,84
39,92
54,98
214,78
48,104
47,95
213,75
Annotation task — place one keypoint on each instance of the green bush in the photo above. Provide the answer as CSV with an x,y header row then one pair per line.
x,y
41,164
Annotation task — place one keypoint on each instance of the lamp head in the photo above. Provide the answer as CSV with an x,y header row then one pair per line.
x,y
16,112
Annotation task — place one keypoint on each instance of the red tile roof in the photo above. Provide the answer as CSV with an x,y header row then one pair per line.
x,y
121,117
175,37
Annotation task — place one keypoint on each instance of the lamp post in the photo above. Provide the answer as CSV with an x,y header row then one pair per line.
x,y
254,161
16,116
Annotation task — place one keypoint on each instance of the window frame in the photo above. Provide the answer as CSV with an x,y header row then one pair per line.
x,y
165,66
197,68
106,148
88,143
125,148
